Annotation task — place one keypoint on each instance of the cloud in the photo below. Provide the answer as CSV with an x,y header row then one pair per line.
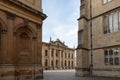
x,y
62,21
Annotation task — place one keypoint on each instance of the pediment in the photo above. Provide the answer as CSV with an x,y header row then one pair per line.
x,y
59,43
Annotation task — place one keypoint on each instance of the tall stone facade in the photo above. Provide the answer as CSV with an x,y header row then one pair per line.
x,y
56,55
21,39
98,51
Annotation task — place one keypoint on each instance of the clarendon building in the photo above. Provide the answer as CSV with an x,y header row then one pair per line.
x,y
98,51
56,55
21,39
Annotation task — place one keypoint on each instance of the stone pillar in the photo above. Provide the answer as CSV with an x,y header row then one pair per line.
x,y
39,74
49,58
64,59
54,61
59,59
10,50
82,67
3,45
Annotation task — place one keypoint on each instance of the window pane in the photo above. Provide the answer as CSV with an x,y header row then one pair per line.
x,y
65,64
105,53
111,61
104,1
68,63
46,62
115,22
119,20
109,0
110,22
106,61
106,28
116,53
110,53
116,61
46,53
106,57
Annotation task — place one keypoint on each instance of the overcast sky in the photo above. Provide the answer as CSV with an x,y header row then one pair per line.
x,y
61,21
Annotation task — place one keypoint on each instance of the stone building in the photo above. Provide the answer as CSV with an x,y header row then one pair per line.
x,y
21,39
98,51
56,55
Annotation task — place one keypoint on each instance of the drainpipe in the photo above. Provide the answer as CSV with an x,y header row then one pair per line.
x,y
91,44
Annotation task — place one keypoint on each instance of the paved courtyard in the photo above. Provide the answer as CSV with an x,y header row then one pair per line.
x,y
69,75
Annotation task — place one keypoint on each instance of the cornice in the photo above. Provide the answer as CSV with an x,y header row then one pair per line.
x,y
49,44
21,12
43,16
83,17
80,30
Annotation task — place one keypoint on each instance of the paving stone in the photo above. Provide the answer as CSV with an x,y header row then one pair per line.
x,y
70,75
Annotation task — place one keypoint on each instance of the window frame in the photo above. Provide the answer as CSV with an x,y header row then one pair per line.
x,y
106,58
114,26
107,1
112,57
46,62
46,53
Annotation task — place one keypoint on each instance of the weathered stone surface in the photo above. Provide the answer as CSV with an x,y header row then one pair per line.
x,y
100,41
20,54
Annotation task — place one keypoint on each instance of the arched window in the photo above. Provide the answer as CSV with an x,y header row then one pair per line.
x,y
110,52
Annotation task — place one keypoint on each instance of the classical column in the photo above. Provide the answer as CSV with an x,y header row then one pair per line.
x,y
54,61
49,58
59,59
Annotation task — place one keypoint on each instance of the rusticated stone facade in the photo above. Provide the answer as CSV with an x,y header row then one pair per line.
x,y
21,39
99,32
56,55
